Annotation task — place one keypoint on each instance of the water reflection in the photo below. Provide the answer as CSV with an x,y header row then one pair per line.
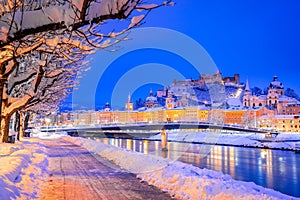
x,y
274,169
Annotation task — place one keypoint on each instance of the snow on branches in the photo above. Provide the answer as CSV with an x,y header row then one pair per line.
x,y
21,18
43,46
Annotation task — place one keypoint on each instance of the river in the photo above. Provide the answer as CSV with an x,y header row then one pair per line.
x,y
276,169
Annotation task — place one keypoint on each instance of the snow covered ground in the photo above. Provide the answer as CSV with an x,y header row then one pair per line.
x,y
181,180
23,168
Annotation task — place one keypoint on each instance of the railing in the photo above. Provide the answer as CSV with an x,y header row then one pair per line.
x,y
137,126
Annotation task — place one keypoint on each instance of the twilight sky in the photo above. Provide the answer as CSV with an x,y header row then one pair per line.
x,y
257,39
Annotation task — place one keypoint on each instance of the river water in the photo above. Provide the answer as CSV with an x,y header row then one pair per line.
x,y
276,169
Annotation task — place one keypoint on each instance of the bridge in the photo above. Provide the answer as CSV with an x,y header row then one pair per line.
x,y
154,128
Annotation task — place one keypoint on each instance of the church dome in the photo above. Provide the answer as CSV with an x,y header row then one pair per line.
x,y
151,98
275,84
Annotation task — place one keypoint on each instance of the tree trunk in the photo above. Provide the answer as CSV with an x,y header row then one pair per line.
x,y
21,129
4,132
17,124
2,81
26,120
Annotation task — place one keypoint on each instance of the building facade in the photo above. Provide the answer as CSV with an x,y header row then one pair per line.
x,y
274,99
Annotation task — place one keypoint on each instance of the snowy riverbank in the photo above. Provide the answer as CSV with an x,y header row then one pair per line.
x,y
181,180
285,141
24,167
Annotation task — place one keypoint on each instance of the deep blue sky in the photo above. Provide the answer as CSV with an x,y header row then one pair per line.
x,y
257,39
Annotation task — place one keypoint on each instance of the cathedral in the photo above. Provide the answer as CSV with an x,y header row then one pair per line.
x,y
274,99
151,101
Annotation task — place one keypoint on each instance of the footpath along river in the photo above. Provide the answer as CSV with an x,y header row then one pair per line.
x,y
276,169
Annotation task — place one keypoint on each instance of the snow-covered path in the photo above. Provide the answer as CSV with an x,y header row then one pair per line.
x,y
74,173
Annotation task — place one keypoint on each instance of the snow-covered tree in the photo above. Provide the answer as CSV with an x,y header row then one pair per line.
x,y
291,93
256,91
43,75
28,27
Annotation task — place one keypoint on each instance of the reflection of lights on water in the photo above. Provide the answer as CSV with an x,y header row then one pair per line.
x,y
140,146
146,146
259,162
129,144
156,144
263,154
134,146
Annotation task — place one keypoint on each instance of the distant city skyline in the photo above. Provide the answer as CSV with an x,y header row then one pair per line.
x,y
255,39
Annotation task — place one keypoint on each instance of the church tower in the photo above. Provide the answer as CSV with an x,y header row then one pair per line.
x,y
129,104
170,101
247,95
275,90
107,107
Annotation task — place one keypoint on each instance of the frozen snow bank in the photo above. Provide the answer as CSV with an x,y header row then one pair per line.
x,y
282,141
22,171
181,180
6,149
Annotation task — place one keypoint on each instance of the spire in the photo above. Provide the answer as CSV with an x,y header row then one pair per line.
x,y
129,98
151,93
170,94
247,88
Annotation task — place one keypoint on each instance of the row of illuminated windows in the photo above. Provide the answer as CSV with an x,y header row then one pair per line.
x,y
291,121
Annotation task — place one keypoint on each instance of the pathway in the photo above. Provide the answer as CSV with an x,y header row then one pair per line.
x,y
74,173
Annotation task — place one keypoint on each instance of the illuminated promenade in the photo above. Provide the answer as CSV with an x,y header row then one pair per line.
x,y
75,173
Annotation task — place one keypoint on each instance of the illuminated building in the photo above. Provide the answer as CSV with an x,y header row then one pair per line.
x,y
293,109
274,100
170,101
151,101
281,123
129,104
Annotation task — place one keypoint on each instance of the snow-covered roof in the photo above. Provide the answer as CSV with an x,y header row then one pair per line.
x,y
235,102
285,116
286,98
142,109
262,97
231,84
279,116
293,104
151,99
155,109
275,84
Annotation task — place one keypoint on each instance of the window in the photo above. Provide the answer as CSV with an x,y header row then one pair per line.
x,y
260,104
